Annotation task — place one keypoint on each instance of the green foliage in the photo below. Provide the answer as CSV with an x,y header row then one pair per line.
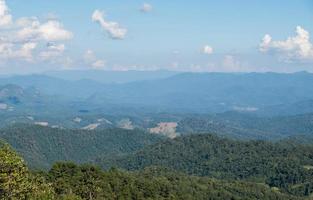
x,y
43,146
278,164
68,181
14,176
83,181
41,189
16,182
247,126
88,182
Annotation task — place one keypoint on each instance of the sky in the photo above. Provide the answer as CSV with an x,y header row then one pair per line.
x,y
198,35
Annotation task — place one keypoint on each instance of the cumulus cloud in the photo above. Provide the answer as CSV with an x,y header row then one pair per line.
x,y
48,31
114,30
25,21
52,51
294,48
27,37
91,59
207,50
5,16
25,52
146,8
55,47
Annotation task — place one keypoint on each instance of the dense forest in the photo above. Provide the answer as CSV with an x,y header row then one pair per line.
x,y
74,182
42,146
284,164
133,164
247,125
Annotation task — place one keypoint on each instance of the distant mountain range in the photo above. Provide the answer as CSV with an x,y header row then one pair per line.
x,y
210,92
110,77
185,92
256,105
299,107
54,86
13,94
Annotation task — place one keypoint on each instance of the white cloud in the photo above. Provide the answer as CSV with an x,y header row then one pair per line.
x,y
48,31
25,21
26,37
52,51
25,52
146,8
55,47
295,48
207,50
5,16
6,50
114,30
91,59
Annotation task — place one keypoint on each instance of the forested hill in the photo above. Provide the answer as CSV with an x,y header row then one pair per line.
x,y
42,146
70,181
248,126
284,164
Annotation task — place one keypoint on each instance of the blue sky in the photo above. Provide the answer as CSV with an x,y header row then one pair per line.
x,y
170,35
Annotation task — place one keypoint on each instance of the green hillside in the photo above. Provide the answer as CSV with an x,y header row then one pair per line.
x,y
247,126
42,146
284,165
70,181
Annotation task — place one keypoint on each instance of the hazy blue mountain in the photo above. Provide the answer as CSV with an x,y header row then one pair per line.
x,y
300,107
263,93
111,76
14,94
14,98
211,92
54,86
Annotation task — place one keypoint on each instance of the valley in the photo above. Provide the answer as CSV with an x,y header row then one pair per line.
x,y
126,132
156,100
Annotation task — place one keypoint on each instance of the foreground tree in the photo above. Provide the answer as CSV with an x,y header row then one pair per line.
x,y
14,176
16,182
